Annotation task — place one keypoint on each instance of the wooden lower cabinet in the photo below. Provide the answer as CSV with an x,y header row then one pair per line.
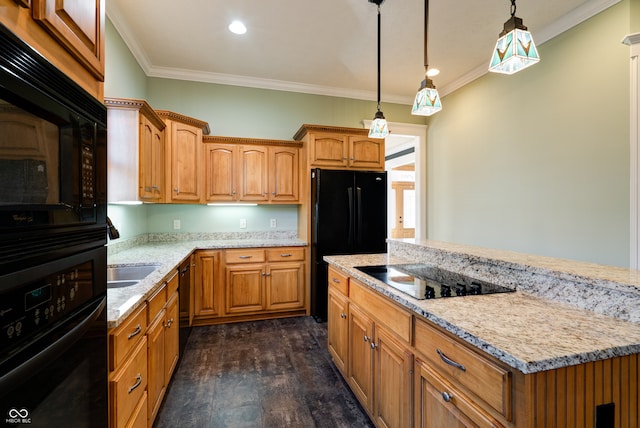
x,y
208,286
393,375
143,354
377,364
249,283
338,329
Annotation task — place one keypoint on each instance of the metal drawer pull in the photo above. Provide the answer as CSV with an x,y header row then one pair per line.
x,y
366,338
450,362
136,332
336,280
343,315
137,384
286,255
244,257
446,396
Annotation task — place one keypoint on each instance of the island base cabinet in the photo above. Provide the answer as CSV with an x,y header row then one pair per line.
x,y
439,404
338,329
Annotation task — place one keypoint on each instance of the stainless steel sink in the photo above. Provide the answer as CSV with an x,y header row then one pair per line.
x,y
129,273
121,284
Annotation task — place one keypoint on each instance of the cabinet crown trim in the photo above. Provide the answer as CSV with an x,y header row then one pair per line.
x,y
185,119
131,103
244,141
306,128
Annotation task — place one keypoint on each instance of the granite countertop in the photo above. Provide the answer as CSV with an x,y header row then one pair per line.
x,y
525,331
121,302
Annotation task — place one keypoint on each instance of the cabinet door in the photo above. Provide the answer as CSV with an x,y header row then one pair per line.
x,y
221,161
361,356
440,404
156,362
393,381
208,286
328,150
283,174
186,175
285,286
253,173
244,288
366,153
78,25
151,171
338,329
171,342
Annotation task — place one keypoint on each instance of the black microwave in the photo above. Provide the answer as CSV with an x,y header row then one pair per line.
x,y
52,157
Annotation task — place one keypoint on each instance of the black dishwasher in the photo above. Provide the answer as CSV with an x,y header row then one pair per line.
x,y
186,303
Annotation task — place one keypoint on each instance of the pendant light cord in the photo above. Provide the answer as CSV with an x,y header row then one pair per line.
x,y
378,57
513,8
426,41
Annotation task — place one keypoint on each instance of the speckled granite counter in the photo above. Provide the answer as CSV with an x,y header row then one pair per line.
x,y
168,255
528,332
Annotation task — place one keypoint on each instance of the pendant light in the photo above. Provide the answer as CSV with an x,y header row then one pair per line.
x,y
515,49
427,100
379,127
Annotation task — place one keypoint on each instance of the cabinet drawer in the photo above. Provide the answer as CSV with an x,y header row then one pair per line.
x,y
126,336
479,375
172,284
156,303
248,255
285,254
393,317
128,385
139,417
339,281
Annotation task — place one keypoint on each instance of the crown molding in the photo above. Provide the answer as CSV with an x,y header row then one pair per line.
x,y
564,23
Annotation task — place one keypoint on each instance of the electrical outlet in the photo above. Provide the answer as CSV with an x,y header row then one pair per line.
x,y
273,222
176,224
243,223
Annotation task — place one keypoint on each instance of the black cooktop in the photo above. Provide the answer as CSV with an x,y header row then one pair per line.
x,y
423,281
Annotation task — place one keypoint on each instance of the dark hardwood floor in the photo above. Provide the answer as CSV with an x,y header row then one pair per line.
x,y
275,373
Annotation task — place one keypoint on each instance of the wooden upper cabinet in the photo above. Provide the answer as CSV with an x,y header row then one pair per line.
x,y
341,148
78,25
184,165
251,170
254,174
284,174
136,151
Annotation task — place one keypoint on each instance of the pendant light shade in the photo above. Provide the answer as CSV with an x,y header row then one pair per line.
x,y
515,49
379,127
427,100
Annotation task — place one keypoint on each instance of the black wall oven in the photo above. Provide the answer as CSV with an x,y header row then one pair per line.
x,y
53,325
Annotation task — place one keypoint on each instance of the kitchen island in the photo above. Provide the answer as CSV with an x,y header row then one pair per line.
x,y
551,353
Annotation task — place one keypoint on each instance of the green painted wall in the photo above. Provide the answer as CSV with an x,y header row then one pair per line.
x,y
123,76
538,161
261,113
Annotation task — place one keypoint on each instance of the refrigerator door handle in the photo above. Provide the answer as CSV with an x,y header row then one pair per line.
x,y
351,215
359,215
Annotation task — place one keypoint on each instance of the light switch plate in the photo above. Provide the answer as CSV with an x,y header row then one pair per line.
x,y
273,223
243,223
176,224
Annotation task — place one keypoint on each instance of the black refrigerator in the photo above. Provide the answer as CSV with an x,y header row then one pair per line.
x,y
348,216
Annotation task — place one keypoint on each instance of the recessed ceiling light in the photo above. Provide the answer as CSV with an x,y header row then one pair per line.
x,y
237,27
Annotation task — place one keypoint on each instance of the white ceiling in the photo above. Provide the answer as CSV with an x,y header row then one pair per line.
x,y
329,46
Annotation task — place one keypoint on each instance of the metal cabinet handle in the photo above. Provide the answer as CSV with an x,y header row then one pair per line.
x,y
155,187
336,280
449,361
447,396
137,384
343,315
136,332
366,338
244,257
169,323
286,255
176,190
147,189
373,346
